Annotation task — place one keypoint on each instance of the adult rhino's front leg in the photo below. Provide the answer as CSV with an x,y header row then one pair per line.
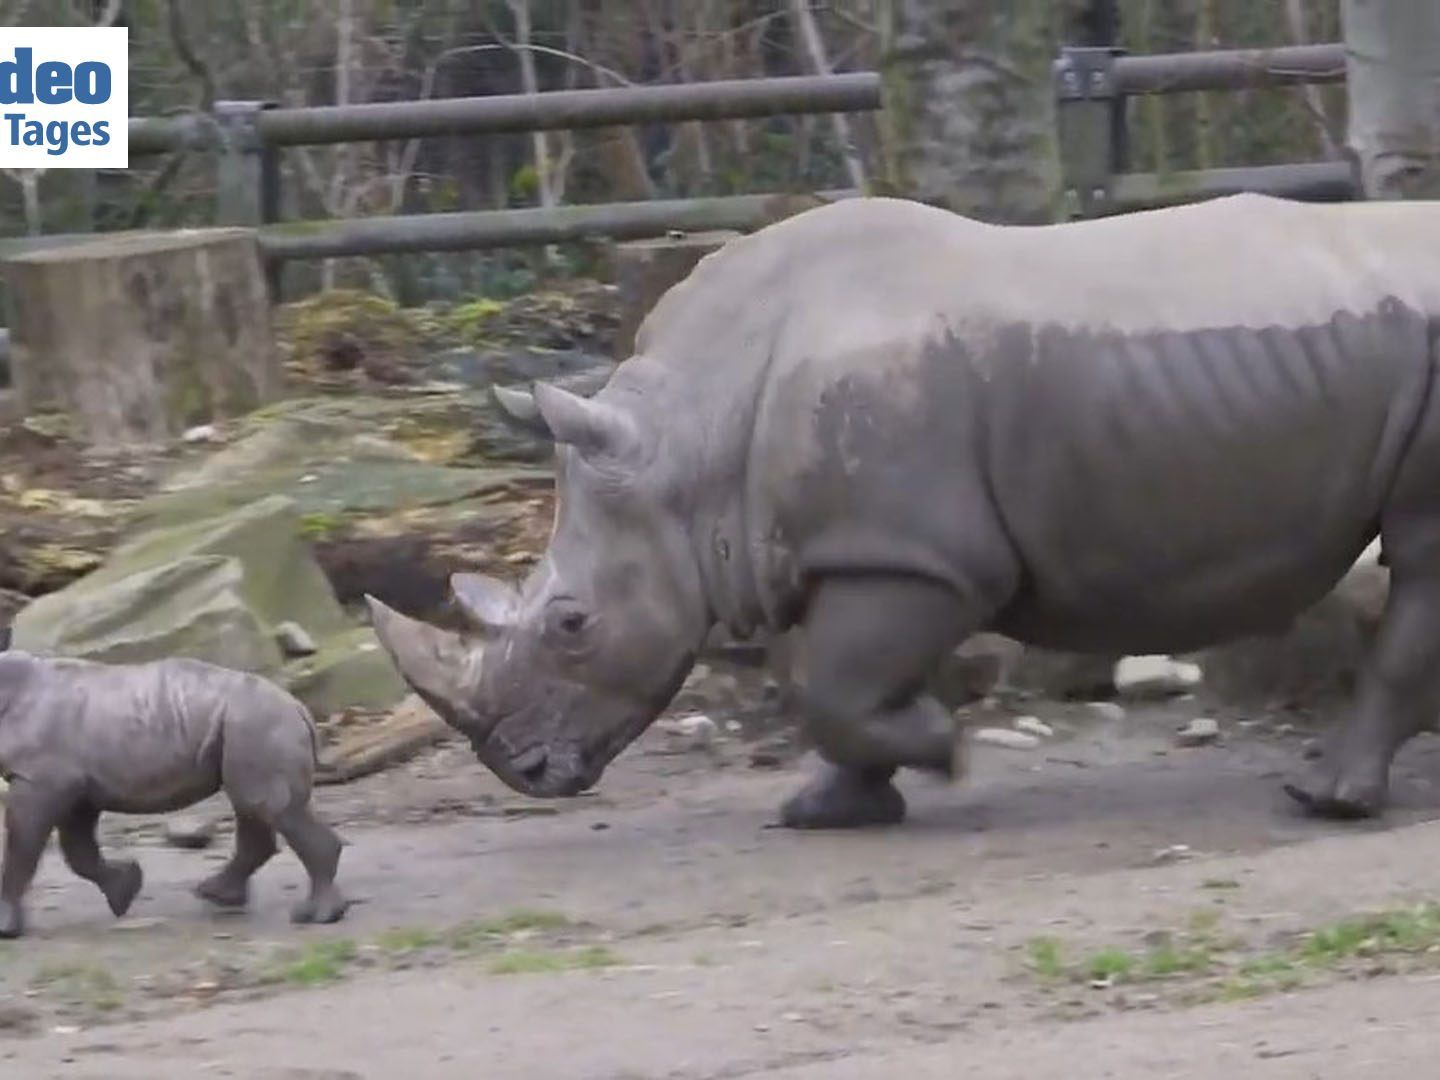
x,y
869,643
1397,697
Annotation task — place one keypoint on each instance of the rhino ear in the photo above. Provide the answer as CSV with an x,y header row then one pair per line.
x,y
487,603
594,428
519,408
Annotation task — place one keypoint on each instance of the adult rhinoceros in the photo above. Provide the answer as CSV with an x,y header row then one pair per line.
x,y
895,426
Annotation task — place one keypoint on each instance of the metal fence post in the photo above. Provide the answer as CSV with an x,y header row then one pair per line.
x,y
1090,114
247,173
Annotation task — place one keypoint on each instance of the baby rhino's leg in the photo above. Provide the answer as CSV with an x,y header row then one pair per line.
x,y
229,887
32,810
268,775
119,880
319,849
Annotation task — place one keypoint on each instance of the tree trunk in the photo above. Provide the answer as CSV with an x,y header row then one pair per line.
x,y
646,269
1392,50
969,117
139,336
820,64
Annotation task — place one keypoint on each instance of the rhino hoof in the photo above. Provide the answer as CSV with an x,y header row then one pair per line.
x,y
12,921
223,893
1325,801
126,878
327,907
843,799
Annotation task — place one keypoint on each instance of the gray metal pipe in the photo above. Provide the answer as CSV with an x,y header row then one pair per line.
x,y
472,230
573,109
1169,73
551,110
1314,181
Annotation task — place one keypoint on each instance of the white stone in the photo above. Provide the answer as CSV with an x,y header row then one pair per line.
x,y
1155,676
696,731
1199,732
294,640
200,433
1033,725
1106,710
1010,740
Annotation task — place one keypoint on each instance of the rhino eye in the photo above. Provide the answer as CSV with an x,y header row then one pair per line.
x,y
566,623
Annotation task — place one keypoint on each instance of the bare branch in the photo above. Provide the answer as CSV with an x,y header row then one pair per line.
x,y
1309,94
111,13
815,46
180,39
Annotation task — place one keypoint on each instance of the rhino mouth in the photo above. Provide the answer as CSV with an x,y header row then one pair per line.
x,y
539,768
555,767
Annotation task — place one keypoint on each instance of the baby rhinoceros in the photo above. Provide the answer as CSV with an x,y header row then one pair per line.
x,y
79,738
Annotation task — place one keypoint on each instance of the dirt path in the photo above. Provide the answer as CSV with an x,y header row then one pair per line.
x,y
660,929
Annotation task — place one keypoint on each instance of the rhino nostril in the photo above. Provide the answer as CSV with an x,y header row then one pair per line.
x,y
531,763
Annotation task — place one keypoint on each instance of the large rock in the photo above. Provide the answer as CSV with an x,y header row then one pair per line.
x,y
216,589
190,606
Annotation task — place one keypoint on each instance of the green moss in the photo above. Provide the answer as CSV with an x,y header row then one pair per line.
x,y
469,321
1045,957
318,963
540,961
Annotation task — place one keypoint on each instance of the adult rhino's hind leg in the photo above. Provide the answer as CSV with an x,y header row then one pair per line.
x,y
870,641
1398,696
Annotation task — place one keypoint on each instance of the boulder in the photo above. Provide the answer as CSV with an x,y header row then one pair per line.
x,y
189,606
216,589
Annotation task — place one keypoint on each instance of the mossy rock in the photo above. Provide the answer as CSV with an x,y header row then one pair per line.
x,y
350,671
190,607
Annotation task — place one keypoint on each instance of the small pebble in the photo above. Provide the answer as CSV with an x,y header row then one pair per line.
x,y
697,732
1173,853
1010,740
200,433
190,834
599,826
1314,750
1033,725
1107,710
1198,732
295,640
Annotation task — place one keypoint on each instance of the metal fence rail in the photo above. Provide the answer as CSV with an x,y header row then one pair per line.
x,y
1237,69
464,231
1093,84
509,113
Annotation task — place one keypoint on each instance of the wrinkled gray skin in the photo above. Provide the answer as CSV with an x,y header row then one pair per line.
x,y
80,738
897,427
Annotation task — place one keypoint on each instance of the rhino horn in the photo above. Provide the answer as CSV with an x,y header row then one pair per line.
x,y
440,666
488,603
518,406
594,428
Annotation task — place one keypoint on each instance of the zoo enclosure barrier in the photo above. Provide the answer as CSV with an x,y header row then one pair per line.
x,y
1093,85
248,137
